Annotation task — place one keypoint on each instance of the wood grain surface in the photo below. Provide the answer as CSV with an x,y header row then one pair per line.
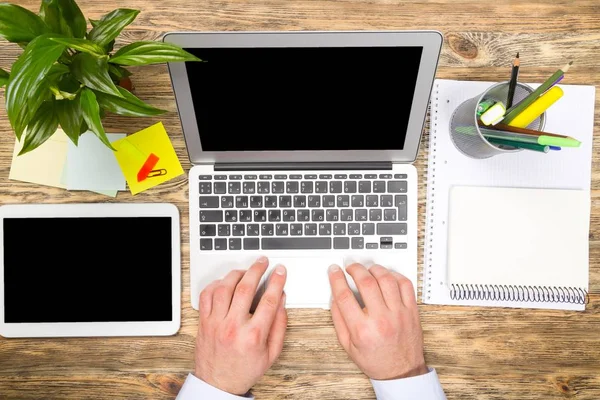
x,y
479,353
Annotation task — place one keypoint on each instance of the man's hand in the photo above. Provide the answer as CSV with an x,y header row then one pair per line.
x,y
235,348
384,339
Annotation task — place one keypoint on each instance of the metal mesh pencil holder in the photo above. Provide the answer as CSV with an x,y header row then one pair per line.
x,y
465,132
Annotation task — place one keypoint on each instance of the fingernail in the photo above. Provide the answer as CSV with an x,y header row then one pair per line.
x,y
262,259
333,268
280,270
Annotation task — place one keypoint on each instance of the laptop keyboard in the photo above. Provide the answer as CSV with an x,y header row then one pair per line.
x,y
309,211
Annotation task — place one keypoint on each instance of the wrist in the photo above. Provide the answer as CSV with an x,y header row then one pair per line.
x,y
222,386
417,370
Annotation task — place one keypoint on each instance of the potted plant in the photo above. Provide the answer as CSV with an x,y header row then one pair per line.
x,y
69,75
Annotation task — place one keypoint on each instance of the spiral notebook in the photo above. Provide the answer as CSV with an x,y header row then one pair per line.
x,y
453,273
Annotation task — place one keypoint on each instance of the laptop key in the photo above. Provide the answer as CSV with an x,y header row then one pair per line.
x,y
310,176
241,201
251,244
343,200
371,176
341,243
317,215
321,187
339,229
350,187
226,201
335,187
386,200
300,201
328,201
353,229
325,176
306,187
358,243
324,229
295,176
300,243
265,176
220,177
355,176
285,201
358,200
250,177
400,176
400,246
281,229
368,229
209,201
238,230
391,229
375,214
235,244
256,201
220,187
280,176
361,215
267,229
310,229
346,215
223,230
372,200
231,216
314,201
205,177
372,246
234,187
274,215
208,230
296,229
249,187
220,244
364,187
303,215
385,176
389,214
397,186
205,244
379,187
289,215
211,216
205,188
277,187
291,187
270,201
340,176
245,216
332,215
252,229
235,177
260,215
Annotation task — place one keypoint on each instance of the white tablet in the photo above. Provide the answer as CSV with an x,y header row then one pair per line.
x,y
89,270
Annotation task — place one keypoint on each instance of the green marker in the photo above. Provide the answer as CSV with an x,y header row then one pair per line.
x,y
558,141
519,145
484,105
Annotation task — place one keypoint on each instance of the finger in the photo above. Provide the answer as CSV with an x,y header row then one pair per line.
x,y
344,297
407,290
388,285
368,287
341,329
246,289
269,303
206,299
277,333
223,293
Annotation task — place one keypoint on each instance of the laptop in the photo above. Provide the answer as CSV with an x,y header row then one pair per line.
x,y
302,145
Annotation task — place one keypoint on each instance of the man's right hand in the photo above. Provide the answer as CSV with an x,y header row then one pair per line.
x,y
384,339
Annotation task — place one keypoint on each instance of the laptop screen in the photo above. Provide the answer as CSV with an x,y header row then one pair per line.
x,y
317,98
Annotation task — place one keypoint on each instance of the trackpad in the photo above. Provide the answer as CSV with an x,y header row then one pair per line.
x,y
307,284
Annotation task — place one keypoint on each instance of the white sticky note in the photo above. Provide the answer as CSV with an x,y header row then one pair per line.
x,y
43,165
93,166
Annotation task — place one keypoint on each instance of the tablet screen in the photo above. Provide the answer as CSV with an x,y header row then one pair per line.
x,y
114,269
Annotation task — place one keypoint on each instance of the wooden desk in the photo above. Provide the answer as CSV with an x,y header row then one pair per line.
x,y
480,353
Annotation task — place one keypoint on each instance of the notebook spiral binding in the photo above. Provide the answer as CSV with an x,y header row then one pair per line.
x,y
534,294
431,126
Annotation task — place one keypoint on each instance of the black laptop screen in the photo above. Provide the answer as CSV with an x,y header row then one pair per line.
x,y
343,98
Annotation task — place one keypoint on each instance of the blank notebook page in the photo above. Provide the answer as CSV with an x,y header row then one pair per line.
x,y
519,237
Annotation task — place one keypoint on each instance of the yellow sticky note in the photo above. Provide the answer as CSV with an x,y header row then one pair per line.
x,y
43,165
133,151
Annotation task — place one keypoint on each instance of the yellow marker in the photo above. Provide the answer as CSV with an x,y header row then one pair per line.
x,y
537,108
494,114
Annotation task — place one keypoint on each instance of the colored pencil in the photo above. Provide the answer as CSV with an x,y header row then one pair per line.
x,y
523,104
520,145
524,131
513,82
519,137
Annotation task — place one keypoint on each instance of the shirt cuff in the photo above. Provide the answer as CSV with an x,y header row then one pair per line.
x,y
422,387
196,389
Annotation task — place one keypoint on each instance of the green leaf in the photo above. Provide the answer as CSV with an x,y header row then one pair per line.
x,y
111,25
3,77
70,118
128,105
26,77
64,17
144,53
94,22
18,24
117,73
82,45
93,72
91,115
43,125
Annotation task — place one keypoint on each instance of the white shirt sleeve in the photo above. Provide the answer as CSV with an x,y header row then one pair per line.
x,y
422,387
196,389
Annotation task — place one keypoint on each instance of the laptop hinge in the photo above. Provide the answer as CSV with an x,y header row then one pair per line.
x,y
305,166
